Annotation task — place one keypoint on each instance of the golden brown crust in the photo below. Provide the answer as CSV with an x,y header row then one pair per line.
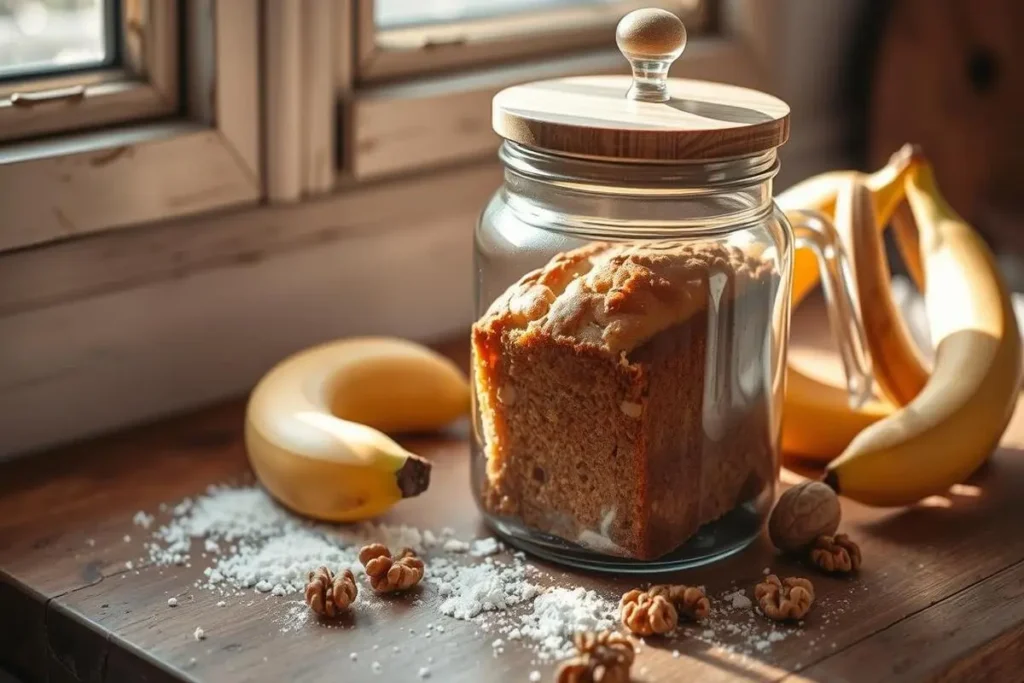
x,y
617,296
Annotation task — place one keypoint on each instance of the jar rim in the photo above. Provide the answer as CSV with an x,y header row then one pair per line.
x,y
671,177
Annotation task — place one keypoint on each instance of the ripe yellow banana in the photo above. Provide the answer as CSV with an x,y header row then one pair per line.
x,y
899,369
311,454
952,426
819,193
818,422
393,385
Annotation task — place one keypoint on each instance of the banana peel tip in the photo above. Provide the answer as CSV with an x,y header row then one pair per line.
x,y
413,477
907,155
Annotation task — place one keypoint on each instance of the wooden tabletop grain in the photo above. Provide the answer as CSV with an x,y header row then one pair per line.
x,y
941,597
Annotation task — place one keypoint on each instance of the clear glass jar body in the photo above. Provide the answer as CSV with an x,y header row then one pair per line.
x,y
629,421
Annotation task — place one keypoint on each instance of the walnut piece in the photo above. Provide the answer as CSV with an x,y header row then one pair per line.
x,y
836,554
387,573
600,658
329,595
507,395
689,601
788,599
645,614
802,514
631,409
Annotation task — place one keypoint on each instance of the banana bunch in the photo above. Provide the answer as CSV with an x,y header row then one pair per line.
x,y
933,426
314,424
819,422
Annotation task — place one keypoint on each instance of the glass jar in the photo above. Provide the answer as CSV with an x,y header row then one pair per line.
x,y
629,351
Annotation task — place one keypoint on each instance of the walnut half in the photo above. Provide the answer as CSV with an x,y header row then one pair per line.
x,y
330,594
836,554
645,614
388,574
689,601
788,599
601,658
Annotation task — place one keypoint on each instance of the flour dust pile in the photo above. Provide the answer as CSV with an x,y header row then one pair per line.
x,y
246,543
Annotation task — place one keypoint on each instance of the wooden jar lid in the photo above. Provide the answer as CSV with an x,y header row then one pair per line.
x,y
646,117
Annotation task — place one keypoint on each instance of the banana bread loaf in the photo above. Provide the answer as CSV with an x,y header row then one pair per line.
x,y
624,393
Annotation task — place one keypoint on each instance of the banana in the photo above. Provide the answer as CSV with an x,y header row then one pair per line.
x,y
906,240
819,193
393,385
898,367
306,446
952,426
328,468
818,422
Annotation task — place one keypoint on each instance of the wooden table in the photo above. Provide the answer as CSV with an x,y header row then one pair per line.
x,y
941,596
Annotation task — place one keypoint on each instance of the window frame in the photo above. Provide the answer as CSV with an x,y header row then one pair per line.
x,y
445,47
389,129
206,158
145,85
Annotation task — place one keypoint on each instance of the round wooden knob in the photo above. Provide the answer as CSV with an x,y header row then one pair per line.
x,y
654,34
651,39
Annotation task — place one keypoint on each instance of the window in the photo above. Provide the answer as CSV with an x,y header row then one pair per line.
x,y
424,72
413,79
405,37
43,36
119,112
404,13
75,64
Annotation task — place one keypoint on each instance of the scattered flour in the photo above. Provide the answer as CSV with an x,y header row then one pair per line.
x,y
561,612
736,628
484,547
223,514
257,544
142,519
738,599
394,537
249,543
467,590
281,564
453,545
294,617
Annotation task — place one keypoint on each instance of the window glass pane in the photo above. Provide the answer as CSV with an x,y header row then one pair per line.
x,y
396,13
51,35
